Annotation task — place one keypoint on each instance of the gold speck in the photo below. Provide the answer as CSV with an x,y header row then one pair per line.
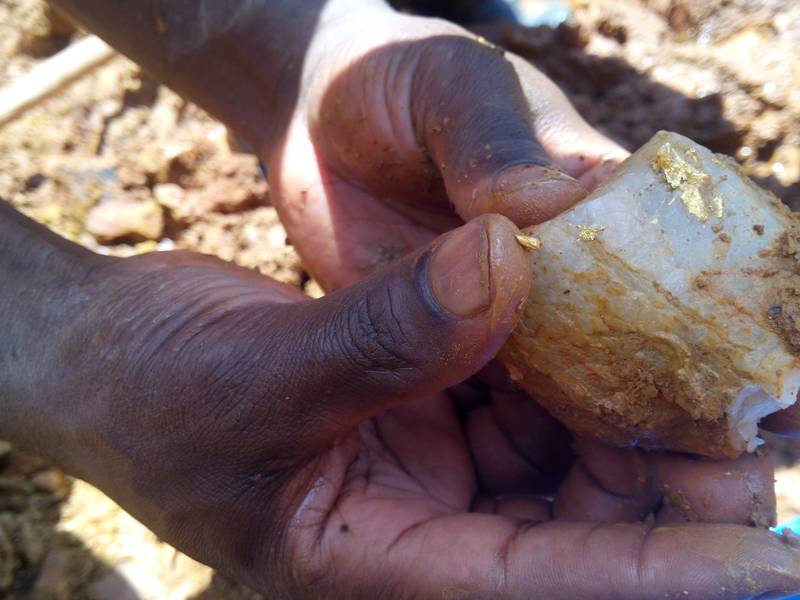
x,y
588,233
676,170
719,206
484,42
693,202
687,179
145,247
529,242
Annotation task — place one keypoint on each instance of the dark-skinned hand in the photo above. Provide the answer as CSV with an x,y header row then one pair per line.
x,y
405,127
311,448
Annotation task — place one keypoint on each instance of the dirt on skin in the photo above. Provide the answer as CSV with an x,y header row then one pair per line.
x,y
124,166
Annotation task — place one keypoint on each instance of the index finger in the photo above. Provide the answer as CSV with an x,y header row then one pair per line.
x,y
488,556
785,423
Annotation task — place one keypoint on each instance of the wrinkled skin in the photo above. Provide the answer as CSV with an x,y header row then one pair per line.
x,y
409,126
309,449
329,448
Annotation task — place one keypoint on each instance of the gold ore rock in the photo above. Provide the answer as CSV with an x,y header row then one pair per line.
x,y
665,308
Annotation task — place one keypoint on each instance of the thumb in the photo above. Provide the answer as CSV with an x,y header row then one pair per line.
x,y
477,123
423,324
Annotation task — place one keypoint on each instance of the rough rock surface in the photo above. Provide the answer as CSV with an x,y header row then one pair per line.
x,y
666,307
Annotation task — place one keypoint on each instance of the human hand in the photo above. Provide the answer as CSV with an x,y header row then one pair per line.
x,y
404,127
309,448
380,130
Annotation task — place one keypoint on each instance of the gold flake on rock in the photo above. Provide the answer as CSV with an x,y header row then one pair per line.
x,y
719,206
529,242
588,233
677,171
693,202
686,179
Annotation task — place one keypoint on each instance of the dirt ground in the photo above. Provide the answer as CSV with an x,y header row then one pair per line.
x,y
124,166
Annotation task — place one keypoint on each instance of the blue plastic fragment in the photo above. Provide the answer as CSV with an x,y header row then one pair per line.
x,y
537,13
793,526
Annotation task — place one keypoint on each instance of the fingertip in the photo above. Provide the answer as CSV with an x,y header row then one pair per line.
x,y
530,194
738,491
741,560
480,275
596,175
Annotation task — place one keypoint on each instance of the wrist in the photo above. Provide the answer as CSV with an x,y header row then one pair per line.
x,y
46,287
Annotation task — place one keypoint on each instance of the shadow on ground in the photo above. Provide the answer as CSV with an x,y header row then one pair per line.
x,y
37,560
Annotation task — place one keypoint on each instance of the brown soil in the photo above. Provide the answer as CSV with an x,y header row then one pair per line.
x,y
123,166
724,73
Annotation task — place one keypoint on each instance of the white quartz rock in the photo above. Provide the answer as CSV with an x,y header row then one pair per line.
x,y
665,307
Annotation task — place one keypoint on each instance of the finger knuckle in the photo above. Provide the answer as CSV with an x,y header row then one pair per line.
x,y
378,335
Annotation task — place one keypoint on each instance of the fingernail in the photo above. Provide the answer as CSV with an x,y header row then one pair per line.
x,y
523,176
536,193
459,272
779,596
